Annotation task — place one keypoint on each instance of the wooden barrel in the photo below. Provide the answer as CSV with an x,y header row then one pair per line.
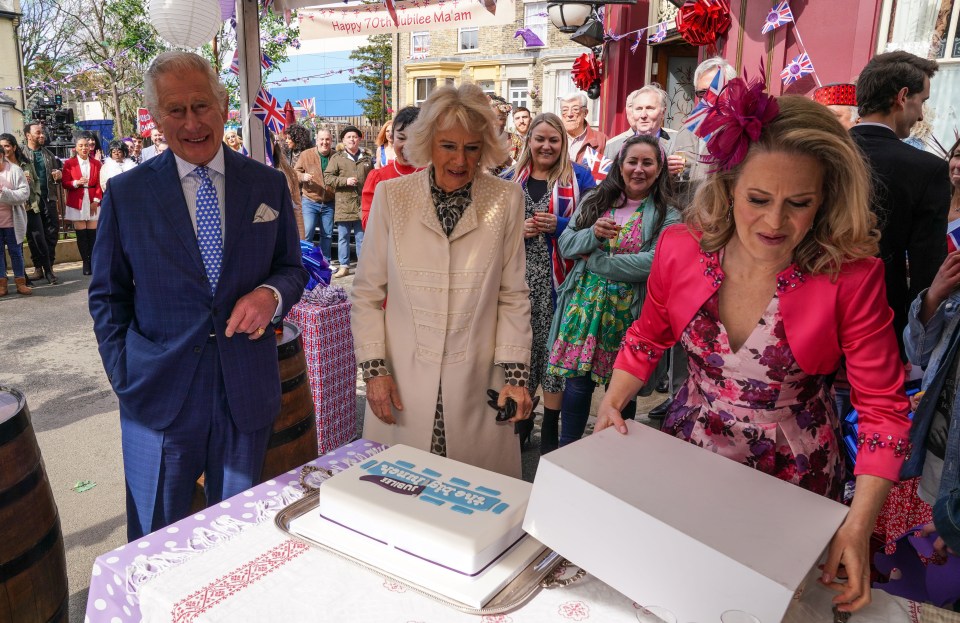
x,y
294,438
33,567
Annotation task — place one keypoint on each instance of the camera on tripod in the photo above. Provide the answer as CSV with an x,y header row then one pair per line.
x,y
57,121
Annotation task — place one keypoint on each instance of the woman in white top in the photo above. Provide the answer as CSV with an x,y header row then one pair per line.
x,y
118,162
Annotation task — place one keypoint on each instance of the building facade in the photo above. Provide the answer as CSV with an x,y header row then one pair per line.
x,y
496,60
11,69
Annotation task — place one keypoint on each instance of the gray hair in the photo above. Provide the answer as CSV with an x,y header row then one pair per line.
x,y
632,97
448,106
711,64
177,61
579,96
654,88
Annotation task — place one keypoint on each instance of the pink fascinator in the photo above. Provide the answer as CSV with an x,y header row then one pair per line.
x,y
736,119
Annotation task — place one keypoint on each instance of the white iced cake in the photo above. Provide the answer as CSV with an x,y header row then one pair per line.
x,y
441,511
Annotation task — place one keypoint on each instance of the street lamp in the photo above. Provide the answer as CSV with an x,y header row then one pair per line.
x,y
580,18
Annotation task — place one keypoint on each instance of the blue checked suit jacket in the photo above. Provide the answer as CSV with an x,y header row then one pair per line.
x,y
150,301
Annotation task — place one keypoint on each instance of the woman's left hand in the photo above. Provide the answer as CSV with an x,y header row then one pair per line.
x,y
521,396
849,556
546,222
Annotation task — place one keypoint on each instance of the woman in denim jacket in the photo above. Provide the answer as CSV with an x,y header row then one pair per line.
x,y
931,340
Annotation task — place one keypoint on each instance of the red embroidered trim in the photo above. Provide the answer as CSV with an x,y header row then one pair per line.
x,y
901,448
641,347
190,608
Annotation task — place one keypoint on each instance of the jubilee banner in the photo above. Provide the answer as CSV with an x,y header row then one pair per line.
x,y
391,16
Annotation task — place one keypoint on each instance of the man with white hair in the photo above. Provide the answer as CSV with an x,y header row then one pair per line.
x,y
688,148
646,109
841,99
573,112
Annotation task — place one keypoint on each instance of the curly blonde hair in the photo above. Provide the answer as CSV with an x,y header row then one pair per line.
x,y
467,107
844,229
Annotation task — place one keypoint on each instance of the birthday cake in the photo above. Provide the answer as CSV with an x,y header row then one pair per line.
x,y
456,516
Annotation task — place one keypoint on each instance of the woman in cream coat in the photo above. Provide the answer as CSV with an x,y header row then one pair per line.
x,y
446,246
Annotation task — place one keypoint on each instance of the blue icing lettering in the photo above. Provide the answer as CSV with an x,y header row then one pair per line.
x,y
459,482
492,492
499,508
406,464
430,472
461,509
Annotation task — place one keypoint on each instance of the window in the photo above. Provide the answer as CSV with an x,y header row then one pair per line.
x,y
469,39
419,44
566,87
931,29
535,18
519,93
423,87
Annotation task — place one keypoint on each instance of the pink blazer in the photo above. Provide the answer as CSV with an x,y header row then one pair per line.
x,y
824,321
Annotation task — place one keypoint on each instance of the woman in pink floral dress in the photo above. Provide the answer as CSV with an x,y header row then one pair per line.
x,y
771,282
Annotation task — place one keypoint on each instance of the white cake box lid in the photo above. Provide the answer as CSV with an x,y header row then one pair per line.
x,y
672,525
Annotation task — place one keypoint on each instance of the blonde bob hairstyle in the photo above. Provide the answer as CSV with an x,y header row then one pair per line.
x,y
562,171
466,107
844,229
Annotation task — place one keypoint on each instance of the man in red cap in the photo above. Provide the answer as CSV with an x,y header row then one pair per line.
x,y
841,99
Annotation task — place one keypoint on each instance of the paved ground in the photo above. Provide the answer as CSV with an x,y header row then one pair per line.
x,y
50,354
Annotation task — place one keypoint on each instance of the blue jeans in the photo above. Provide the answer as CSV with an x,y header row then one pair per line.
x,y
343,243
317,213
575,409
8,238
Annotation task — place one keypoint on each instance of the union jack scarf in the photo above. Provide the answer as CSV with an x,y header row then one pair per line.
x,y
563,202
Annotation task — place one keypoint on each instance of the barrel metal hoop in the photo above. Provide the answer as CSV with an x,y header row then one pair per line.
x,y
288,350
12,428
291,384
290,433
24,561
24,486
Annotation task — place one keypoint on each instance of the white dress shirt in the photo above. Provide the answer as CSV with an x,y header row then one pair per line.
x,y
190,182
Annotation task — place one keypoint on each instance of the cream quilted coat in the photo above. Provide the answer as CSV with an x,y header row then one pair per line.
x,y
456,307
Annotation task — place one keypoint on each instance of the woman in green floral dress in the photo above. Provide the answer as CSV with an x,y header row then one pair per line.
x,y
612,237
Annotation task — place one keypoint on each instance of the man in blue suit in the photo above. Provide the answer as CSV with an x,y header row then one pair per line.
x,y
197,256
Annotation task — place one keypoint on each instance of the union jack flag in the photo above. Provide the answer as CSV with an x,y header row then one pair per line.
x,y
267,109
309,104
265,62
563,202
778,16
635,45
953,239
705,105
660,34
797,68
598,165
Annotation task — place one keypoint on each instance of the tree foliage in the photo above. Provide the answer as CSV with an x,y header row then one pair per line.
x,y
100,49
377,77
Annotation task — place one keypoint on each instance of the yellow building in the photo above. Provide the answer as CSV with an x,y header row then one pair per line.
x,y
490,56
11,69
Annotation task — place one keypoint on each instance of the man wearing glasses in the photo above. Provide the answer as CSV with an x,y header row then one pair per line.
x,y
573,112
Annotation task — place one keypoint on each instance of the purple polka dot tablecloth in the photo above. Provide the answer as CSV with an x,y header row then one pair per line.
x,y
229,563
117,576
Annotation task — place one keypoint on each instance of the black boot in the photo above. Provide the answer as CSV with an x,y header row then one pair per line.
x,y
550,430
82,247
49,274
91,241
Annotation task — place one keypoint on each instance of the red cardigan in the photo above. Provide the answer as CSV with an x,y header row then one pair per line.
x,y
71,173
824,321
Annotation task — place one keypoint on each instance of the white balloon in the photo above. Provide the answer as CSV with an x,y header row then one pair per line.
x,y
186,23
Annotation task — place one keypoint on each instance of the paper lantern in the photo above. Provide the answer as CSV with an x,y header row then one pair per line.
x,y
186,23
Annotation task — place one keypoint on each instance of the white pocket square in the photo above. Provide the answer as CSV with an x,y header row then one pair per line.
x,y
265,214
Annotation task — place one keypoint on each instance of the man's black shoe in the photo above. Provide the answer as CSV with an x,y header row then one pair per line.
x,y
663,386
660,411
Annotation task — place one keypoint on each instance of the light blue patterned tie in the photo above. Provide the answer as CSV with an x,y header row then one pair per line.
x,y
209,234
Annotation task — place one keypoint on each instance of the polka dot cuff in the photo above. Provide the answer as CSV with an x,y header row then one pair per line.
x,y
515,374
374,368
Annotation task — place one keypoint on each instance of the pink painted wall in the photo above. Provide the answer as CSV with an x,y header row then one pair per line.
x,y
839,35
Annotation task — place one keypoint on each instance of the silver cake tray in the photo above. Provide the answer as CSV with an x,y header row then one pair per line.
x,y
541,573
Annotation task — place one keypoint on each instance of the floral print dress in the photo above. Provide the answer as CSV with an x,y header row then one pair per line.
x,y
598,315
756,405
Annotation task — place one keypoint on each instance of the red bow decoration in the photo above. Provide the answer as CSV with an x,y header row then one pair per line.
x,y
736,120
702,22
587,69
